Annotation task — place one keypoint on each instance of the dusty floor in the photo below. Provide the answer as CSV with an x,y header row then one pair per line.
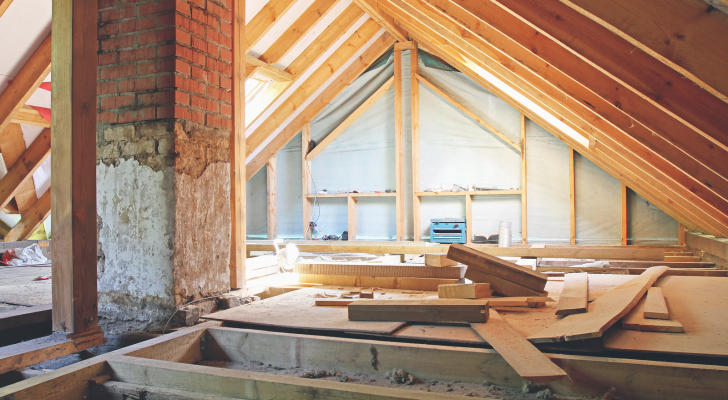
x,y
17,285
484,390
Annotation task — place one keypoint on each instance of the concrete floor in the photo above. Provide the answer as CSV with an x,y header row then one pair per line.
x,y
17,284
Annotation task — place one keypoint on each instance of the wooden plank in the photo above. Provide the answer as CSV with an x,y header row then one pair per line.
x,y
479,261
682,259
325,40
464,291
73,181
267,70
350,120
680,234
603,312
31,220
518,301
385,21
469,113
28,115
524,197
379,270
655,306
47,348
25,316
306,184
237,150
429,284
351,216
272,198
502,286
671,264
424,310
708,244
624,221
334,302
398,144
123,391
261,23
572,196
439,260
469,219
635,320
471,193
573,298
22,164
522,356
25,82
415,123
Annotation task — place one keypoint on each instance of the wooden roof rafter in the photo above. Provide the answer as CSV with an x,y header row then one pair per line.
x,y
264,20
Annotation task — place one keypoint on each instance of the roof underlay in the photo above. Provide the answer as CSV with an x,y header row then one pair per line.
x,y
637,87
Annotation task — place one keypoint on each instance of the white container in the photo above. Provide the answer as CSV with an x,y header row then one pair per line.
x,y
504,234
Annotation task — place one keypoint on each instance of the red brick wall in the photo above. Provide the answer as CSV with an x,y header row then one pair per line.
x,y
165,59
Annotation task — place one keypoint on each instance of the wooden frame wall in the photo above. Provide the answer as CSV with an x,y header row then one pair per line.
x,y
306,185
237,149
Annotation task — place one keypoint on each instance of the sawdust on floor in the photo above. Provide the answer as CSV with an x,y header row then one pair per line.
x,y
18,284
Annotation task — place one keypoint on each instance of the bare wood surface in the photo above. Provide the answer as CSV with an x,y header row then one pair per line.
x,y
237,149
429,284
25,316
464,291
272,198
261,23
47,348
20,173
521,355
32,219
635,320
574,296
502,286
415,123
655,306
398,144
435,310
28,115
482,262
379,270
439,260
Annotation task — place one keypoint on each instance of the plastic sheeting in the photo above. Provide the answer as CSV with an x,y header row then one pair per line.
x,y
455,149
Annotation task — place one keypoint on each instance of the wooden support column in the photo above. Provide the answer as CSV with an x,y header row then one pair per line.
x,y
680,234
469,218
415,90
524,202
398,151
572,197
73,177
272,199
237,150
351,207
624,214
306,180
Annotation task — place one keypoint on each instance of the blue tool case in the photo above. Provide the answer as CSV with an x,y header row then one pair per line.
x,y
448,230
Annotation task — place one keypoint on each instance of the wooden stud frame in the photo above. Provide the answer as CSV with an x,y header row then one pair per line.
x,y
415,112
272,198
524,202
306,184
398,142
623,201
237,149
572,196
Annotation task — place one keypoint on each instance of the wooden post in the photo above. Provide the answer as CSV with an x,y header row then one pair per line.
x,y
351,206
572,196
272,199
73,178
469,218
624,214
680,234
306,180
398,142
524,202
415,89
237,150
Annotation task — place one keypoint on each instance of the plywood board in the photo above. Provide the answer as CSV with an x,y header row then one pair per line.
x,y
429,284
297,310
699,304
379,270
603,312
520,354
464,291
574,296
635,320
655,306
430,310
439,260
478,261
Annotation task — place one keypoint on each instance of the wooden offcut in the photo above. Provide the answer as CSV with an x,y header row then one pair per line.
x,y
425,310
655,306
502,286
439,260
428,284
518,301
574,296
521,355
379,270
636,320
464,291
485,263
603,312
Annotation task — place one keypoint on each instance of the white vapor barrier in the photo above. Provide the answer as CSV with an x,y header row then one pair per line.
x,y
454,149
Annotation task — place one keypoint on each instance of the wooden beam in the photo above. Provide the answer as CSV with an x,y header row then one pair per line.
x,y
385,21
350,119
4,4
379,270
469,113
237,150
310,86
272,198
415,122
266,69
325,40
261,23
297,31
625,217
21,164
420,310
351,216
31,220
574,296
30,116
73,177
376,49
572,196
469,219
680,234
306,185
24,84
23,354
398,143
655,306
25,316
524,191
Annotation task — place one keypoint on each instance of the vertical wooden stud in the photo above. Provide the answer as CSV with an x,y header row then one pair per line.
x,y
306,177
73,178
272,199
524,202
237,149
624,214
398,126
415,90
351,206
572,196
680,234
469,218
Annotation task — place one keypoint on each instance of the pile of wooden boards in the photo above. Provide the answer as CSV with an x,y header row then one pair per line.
x,y
504,277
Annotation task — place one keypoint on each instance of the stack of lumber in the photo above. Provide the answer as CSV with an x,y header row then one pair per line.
x,y
504,277
651,315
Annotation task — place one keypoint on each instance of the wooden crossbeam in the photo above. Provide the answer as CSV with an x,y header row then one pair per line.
x,y
261,67
297,31
31,220
374,51
271,13
23,169
469,113
310,85
29,116
25,82
384,20
350,119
